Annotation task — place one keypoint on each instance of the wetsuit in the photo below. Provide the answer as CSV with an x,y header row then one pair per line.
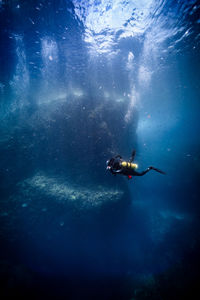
x,y
116,166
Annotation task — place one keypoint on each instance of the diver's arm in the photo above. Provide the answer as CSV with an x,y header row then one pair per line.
x,y
132,156
116,171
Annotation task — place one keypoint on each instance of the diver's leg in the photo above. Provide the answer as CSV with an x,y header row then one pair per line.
x,y
142,173
132,156
147,170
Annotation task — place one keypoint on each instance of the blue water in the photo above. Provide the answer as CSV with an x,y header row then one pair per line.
x,y
82,81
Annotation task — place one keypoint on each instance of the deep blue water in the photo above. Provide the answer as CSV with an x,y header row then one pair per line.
x,y
81,81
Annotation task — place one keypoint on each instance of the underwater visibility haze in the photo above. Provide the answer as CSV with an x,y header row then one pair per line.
x,y
80,82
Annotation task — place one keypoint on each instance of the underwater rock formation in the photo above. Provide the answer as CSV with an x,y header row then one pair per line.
x,y
70,136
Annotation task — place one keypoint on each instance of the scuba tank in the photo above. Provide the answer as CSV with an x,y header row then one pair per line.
x,y
129,165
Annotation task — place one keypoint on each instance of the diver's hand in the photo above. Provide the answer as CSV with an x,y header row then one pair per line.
x,y
118,171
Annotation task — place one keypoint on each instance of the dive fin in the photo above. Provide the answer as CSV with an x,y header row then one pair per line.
x,y
158,170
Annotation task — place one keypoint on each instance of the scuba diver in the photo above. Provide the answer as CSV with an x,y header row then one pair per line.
x,y
116,165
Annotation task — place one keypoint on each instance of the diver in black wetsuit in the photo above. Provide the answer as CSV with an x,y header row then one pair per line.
x,y
117,165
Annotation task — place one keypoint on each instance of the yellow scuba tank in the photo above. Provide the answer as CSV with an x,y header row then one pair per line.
x,y
126,164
